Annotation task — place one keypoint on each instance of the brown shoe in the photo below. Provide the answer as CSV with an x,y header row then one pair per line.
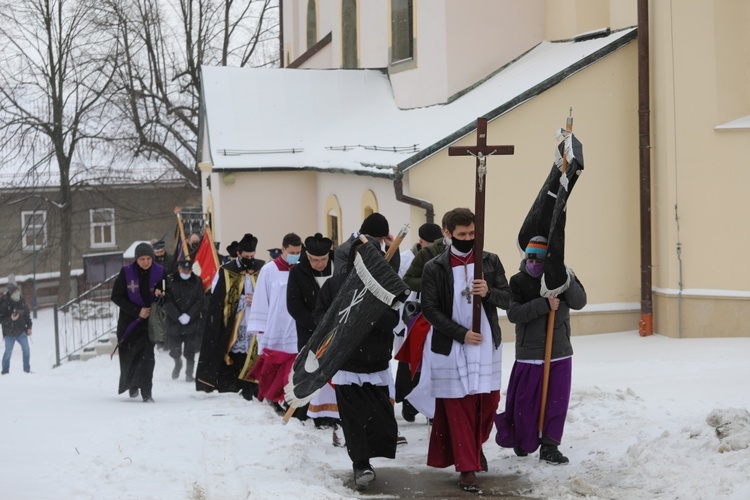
x,y
467,481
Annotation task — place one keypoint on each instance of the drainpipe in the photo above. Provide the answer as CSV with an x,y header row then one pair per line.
x,y
646,324
281,33
398,186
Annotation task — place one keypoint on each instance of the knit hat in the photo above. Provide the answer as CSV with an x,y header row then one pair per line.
x,y
247,243
537,248
375,225
430,232
12,287
144,249
318,245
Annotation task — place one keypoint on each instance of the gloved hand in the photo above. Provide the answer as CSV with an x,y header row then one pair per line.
x,y
184,319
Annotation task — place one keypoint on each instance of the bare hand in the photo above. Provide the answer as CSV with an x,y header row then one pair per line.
x,y
554,303
28,332
15,316
248,299
145,311
158,292
473,338
479,287
389,239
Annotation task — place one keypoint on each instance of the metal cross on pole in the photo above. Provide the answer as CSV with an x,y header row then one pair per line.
x,y
481,151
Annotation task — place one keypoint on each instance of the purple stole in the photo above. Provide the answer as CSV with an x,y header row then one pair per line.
x,y
132,283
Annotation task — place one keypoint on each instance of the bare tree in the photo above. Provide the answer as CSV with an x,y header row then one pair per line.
x,y
164,43
56,67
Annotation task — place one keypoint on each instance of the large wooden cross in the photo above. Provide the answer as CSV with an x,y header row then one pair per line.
x,y
481,151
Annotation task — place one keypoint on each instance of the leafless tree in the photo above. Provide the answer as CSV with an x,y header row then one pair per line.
x,y
56,68
164,43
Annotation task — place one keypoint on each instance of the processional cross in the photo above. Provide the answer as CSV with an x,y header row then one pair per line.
x,y
481,151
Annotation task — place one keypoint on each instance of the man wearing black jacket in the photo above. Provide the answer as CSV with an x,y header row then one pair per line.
x,y
16,320
465,364
362,387
183,304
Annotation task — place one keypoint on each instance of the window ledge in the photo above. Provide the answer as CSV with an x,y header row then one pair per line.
x,y
738,124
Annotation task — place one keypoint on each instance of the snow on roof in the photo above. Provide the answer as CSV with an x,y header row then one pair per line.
x,y
348,121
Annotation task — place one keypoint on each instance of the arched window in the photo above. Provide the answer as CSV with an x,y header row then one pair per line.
x,y
369,204
312,23
349,33
333,219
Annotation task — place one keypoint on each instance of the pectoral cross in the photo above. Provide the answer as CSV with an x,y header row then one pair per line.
x,y
133,286
481,151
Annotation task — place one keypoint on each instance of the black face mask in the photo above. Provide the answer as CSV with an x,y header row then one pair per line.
x,y
463,246
247,263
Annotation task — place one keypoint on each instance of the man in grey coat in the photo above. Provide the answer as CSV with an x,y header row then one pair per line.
x,y
517,428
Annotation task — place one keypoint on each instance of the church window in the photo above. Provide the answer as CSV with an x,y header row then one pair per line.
x,y
402,29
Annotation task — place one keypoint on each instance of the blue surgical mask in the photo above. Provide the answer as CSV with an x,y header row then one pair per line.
x,y
291,259
185,276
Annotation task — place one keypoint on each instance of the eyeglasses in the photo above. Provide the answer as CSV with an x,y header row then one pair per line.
x,y
317,260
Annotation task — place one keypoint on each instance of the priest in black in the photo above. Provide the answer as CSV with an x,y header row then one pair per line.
x,y
228,350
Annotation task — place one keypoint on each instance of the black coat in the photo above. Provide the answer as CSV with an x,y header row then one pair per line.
x,y
374,352
529,312
9,307
183,297
437,300
302,296
342,257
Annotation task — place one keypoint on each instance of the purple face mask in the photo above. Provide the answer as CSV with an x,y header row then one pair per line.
x,y
535,268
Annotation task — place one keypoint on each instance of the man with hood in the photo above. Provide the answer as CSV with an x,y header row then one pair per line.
x,y
517,428
16,320
228,348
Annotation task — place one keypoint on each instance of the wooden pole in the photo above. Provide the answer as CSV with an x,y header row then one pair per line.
x,y
185,251
551,316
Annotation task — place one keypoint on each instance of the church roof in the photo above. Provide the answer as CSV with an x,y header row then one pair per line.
x,y
343,120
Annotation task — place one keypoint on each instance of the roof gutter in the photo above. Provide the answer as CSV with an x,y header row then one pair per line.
x,y
398,186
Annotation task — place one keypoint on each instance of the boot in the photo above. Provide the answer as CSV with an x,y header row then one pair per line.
x,y
189,367
363,474
550,454
177,368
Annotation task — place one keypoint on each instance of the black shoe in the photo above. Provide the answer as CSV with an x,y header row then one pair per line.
x,y
134,392
519,452
483,461
177,368
408,411
550,454
363,475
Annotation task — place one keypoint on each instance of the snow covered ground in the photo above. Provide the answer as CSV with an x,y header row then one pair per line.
x,y
649,418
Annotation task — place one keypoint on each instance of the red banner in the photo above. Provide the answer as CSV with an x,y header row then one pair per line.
x,y
206,261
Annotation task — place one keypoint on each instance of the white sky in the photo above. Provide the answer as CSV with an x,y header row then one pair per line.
x,y
636,429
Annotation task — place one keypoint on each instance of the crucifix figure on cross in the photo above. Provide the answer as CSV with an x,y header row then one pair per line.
x,y
480,152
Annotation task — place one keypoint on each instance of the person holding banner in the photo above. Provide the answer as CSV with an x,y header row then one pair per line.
x,y
517,427
133,292
465,364
363,383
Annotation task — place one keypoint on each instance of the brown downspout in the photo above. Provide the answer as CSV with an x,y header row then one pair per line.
x,y
646,324
398,186
281,33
